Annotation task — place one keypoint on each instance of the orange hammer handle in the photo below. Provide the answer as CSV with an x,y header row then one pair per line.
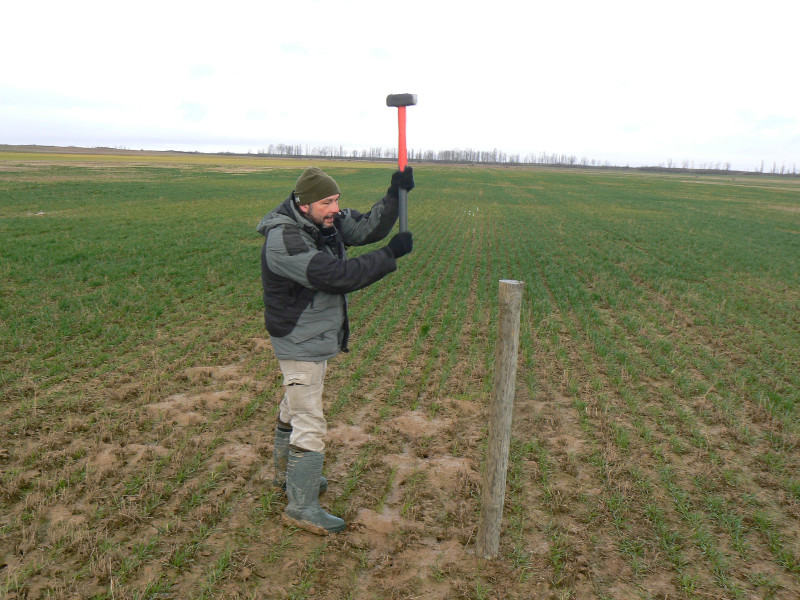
x,y
402,158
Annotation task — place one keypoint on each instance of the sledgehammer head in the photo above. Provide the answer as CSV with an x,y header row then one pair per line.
x,y
401,99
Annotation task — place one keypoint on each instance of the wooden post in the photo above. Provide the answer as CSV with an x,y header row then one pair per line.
x,y
500,412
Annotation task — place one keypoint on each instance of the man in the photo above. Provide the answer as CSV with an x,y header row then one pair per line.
x,y
305,275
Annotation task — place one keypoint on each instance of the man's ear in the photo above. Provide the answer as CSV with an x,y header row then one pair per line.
x,y
303,208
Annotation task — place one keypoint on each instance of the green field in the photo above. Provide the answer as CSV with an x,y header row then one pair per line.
x,y
656,436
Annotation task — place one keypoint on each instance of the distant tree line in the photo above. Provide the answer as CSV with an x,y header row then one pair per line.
x,y
459,155
494,157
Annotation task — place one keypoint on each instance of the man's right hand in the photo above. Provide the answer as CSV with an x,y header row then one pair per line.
x,y
401,244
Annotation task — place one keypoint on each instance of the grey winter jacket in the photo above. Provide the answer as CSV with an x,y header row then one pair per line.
x,y
305,275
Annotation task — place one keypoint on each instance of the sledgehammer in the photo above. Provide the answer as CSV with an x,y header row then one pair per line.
x,y
401,101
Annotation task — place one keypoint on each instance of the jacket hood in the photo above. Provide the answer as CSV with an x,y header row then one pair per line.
x,y
285,214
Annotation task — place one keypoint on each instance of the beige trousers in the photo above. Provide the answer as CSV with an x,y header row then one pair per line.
x,y
301,406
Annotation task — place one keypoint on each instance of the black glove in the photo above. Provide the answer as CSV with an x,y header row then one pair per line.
x,y
401,244
401,179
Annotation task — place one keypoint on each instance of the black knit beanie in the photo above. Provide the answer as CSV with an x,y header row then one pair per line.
x,y
314,184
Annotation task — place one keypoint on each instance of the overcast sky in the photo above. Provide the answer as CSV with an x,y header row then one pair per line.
x,y
628,82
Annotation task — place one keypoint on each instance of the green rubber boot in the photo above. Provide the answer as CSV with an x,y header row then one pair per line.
x,y
302,485
281,457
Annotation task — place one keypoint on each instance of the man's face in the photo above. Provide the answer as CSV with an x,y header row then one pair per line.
x,y
323,211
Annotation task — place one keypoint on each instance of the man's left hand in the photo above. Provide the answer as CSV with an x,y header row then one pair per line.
x,y
401,179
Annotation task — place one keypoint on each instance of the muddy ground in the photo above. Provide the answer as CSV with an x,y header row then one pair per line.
x,y
128,494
